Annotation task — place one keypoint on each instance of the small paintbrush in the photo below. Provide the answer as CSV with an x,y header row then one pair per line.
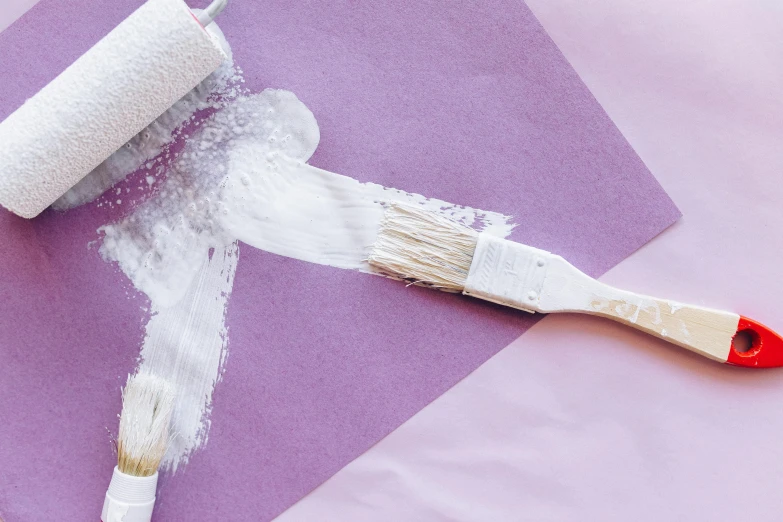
x,y
147,404
426,248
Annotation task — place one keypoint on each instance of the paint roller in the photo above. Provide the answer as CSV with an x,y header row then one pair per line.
x,y
110,94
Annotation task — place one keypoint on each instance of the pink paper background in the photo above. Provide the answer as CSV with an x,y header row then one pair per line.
x,y
610,424
61,406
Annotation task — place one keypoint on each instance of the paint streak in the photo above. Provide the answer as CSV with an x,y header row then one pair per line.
x,y
287,207
186,344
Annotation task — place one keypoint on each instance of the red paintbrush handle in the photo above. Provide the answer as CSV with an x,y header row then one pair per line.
x,y
766,347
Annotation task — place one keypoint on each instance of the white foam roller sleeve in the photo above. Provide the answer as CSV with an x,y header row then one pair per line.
x,y
117,88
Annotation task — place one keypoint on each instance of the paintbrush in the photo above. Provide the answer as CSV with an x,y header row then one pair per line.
x,y
147,404
426,248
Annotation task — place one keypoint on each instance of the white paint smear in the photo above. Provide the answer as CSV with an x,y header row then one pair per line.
x,y
161,245
284,206
242,176
185,344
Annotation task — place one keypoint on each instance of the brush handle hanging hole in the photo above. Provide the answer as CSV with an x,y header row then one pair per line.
x,y
745,341
756,346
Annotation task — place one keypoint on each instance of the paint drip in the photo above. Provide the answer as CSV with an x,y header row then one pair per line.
x,y
241,175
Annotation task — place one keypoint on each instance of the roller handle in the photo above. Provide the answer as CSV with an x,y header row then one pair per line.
x,y
208,15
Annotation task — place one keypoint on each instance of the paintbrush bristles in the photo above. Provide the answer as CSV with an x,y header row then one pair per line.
x,y
147,404
424,248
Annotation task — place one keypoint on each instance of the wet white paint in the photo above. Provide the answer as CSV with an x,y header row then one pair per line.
x,y
284,206
160,246
241,176
186,344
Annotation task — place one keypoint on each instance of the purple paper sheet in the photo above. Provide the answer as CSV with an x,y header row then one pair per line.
x,y
465,101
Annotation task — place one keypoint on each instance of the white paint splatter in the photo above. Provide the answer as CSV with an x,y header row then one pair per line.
x,y
160,246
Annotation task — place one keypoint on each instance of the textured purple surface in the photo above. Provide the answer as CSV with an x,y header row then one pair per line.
x,y
469,103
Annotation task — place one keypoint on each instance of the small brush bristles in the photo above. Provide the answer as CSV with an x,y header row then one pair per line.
x,y
147,404
424,248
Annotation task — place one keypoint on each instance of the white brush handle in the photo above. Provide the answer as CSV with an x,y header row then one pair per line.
x,y
129,498
535,280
